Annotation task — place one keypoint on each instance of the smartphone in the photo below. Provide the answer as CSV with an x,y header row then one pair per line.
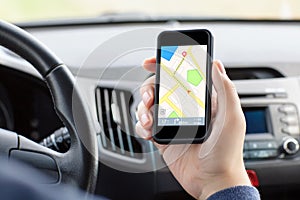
x,y
182,108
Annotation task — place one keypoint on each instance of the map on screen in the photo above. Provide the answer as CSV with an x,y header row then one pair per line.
x,y
182,90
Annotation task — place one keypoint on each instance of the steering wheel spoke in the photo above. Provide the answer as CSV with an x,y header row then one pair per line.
x,y
8,141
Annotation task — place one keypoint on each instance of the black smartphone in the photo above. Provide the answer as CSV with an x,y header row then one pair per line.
x,y
182,110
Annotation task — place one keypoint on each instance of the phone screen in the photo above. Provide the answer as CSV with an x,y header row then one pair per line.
x,y
182,88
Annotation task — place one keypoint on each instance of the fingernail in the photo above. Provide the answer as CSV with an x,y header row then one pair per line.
x,y
146,98
144,119
221,68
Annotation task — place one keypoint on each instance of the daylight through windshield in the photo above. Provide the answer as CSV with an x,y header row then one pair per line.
x,y
37,10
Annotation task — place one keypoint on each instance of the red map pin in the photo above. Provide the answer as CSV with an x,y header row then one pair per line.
x,y
184,53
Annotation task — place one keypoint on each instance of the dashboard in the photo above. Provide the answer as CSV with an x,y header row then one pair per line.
x,y
262,58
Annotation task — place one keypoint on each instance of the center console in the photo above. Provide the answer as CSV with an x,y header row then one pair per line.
x,y
272,131
271,147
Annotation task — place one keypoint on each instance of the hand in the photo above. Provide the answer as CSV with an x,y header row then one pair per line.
x,y
203,169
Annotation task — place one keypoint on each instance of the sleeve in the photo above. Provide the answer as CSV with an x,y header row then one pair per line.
x,y
236,193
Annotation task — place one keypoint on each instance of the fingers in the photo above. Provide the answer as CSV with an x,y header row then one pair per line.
x,y
142,132
150,64
147,135
147,89
147,92
145,116
144,125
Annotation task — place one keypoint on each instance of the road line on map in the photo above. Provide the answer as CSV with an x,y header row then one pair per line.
x,y
177,110
168,93
195,61
178,65
197,100
172,75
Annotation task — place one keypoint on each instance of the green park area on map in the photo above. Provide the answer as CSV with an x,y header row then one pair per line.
x,y
173,115
194,77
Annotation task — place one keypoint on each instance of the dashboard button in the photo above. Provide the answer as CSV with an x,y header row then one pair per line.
x,y
252,145
290,146
290,120
262,154
270,145
253,177
287,109
291,130
280,95
262,145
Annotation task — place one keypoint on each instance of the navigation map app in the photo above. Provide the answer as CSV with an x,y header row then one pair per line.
x,y
182,85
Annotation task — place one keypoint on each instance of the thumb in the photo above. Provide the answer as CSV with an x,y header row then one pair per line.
x,y
229,116
224,87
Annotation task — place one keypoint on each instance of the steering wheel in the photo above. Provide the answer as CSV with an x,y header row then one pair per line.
x,y
79,165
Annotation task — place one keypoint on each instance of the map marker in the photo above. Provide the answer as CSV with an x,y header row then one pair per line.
x,y
184,53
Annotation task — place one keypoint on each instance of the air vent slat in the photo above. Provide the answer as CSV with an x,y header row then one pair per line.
x,y
121,140
98,100
107,111
125,117
118,129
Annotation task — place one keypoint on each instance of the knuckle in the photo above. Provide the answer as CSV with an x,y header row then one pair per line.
x,y
147,85
140,106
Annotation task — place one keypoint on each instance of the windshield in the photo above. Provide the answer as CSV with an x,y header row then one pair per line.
x,y
39,10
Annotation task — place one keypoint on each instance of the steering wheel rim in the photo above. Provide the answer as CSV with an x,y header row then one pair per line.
x,y
79,165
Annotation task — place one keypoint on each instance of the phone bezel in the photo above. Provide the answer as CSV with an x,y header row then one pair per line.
x,y
183,134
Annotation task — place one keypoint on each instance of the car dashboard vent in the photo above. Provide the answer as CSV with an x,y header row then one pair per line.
x,y
252,73
113,107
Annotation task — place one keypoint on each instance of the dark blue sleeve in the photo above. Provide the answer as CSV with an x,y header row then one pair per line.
x,y
236,193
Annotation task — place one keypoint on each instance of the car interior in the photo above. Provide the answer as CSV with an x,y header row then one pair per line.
x,y
69,91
